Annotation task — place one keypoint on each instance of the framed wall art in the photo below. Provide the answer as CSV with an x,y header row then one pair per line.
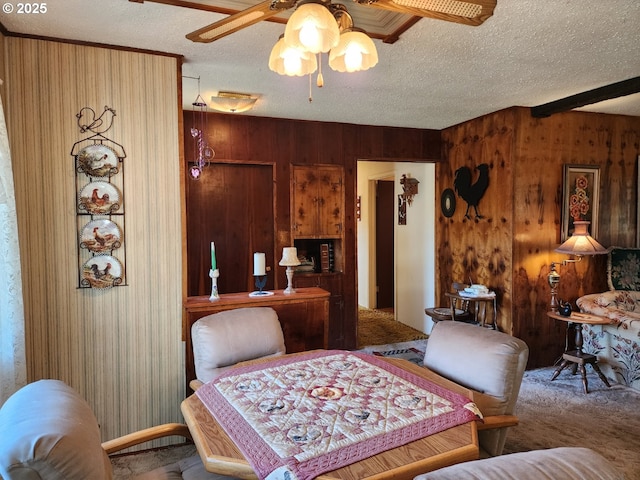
x,y
581,188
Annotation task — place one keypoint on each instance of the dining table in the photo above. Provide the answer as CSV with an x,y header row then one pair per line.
x,y
428,445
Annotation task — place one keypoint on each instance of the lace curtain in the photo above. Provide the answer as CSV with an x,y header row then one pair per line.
x,y
13,371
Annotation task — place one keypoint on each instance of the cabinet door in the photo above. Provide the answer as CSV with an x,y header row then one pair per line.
x,y
304,202
331,202
317,202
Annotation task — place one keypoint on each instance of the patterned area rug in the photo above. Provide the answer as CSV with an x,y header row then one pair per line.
x,y
412,351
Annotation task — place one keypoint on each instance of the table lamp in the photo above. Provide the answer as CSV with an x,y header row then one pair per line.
x,y
289,260
579,244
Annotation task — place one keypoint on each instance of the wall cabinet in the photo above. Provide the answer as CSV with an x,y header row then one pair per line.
x,y
317,201
317,217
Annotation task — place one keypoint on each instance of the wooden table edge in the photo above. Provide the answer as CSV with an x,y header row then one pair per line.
x,y
242,469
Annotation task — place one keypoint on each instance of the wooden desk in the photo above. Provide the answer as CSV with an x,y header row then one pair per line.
x,y
455,445
577,358
304,317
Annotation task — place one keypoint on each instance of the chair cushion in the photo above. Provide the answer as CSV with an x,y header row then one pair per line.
x,y
487,361
47,431
226,338
566,463
481,359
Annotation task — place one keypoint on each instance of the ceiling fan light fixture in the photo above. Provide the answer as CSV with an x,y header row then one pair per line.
x,y
286,60
355,52
313,28
232,102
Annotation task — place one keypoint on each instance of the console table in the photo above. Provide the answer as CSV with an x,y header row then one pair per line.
x,y
303,315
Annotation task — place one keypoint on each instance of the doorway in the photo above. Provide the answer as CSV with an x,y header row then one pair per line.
x,y
385,265
413,251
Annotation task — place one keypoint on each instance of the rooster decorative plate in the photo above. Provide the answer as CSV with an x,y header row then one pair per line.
x,y
97,161
101,271
99,198
101,236
448,202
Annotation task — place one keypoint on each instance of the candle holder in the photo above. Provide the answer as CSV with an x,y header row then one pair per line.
x,y
261,281
214,274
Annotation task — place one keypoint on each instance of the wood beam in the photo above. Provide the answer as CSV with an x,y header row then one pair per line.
x,y
615,90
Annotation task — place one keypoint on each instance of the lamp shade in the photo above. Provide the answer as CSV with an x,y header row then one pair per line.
x,y
313,28
581,243
289,257
232,102
287,60
355,52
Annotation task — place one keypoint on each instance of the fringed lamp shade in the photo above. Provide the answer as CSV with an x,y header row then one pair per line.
x,y
355,52
313,28
581,243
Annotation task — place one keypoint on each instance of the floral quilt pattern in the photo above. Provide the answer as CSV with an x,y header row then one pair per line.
x,y
298,419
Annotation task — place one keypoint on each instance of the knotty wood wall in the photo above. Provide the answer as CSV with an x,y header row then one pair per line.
x,y
120,348
243,139
512,247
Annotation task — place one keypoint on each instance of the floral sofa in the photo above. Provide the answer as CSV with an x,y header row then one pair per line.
x,y
617,345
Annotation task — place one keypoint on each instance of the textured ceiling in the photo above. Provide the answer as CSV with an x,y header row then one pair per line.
x,y
436,75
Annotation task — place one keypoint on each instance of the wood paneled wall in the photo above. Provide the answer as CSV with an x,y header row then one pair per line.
x,y
242,139
512,247
120,348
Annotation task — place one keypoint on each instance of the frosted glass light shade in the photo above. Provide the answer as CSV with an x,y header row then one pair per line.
x,y
355,52
232,102
287,60
313,28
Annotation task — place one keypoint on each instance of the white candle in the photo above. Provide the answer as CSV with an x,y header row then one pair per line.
x,y
259,264
213,256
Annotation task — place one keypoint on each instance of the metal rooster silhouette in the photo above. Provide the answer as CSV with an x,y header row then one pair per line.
x,y
472,193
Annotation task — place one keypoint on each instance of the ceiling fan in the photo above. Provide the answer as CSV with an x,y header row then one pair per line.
x,y
469,12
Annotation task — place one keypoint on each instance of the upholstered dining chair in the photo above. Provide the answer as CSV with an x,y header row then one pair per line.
x,y
458,306
48,431
490,363
223,339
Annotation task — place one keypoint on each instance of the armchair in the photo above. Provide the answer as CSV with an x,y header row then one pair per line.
x,y
489,362
47,431
223,339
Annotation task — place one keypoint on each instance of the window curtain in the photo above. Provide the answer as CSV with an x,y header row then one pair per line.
x,y
13,368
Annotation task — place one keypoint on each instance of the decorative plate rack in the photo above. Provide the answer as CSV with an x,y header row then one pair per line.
x,y
100,214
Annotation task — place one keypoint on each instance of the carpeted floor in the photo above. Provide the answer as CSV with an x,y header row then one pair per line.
x,y
376,327
552,414
559,413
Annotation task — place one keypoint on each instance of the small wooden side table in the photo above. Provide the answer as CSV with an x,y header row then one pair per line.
x,y
577,358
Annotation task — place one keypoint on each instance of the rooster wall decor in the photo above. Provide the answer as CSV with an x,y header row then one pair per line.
x,y
472,193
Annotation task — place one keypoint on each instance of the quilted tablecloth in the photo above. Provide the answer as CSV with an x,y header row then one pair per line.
x,y
297,417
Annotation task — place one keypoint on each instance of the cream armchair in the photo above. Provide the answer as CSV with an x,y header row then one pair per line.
x,y
223,339
489,362
48,431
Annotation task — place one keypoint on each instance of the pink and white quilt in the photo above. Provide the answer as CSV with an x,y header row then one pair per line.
x,y
295,418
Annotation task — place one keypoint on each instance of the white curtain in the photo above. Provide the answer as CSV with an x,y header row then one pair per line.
x,y
13,368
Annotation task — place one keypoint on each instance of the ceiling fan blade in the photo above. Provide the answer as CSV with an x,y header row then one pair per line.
x,y
469,12
240,20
